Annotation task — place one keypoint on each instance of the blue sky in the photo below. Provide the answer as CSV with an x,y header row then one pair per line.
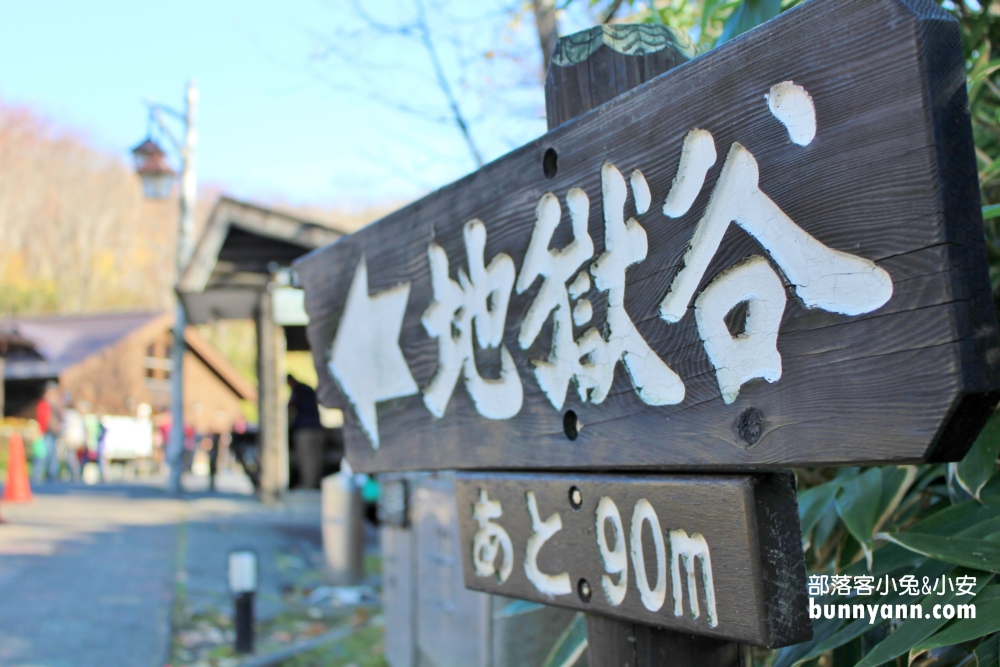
x,y
277,120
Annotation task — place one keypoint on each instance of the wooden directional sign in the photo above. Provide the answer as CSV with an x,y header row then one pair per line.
x,y
770,256
713,555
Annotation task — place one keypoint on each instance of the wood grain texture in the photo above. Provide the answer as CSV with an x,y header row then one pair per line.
x,y
615,643
750,523
889,177
625,56
272,437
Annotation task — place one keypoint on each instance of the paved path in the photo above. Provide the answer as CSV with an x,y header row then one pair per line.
x,y
88,575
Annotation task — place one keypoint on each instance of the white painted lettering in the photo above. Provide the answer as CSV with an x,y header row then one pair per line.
x,y
652,598
615,560
822,277
548,584
793,106
556,268
490,539
477,301
697,156
625,244
686,550
754,352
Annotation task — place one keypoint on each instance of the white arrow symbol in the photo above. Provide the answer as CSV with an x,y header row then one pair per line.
x,y
365,357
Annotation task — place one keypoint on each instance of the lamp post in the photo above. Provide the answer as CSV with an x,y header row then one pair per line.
x,y
157,176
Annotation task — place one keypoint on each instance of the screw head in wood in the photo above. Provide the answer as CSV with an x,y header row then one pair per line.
x,y
575,498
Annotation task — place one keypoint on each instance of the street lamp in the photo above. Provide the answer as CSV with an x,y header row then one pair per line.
x,y
157,178
151,165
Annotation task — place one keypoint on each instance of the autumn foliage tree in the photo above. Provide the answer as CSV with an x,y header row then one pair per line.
x,y
76,234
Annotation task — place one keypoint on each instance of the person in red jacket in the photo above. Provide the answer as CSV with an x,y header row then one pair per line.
x,y
38,454
48,414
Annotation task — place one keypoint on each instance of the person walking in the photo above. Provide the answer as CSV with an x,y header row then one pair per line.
x,y
308,435
49,415
213,459
74,438
99,454
43,412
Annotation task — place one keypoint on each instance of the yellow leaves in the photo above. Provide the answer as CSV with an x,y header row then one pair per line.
x,y
104,262
75,233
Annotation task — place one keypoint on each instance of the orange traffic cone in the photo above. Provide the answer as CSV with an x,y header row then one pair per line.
x,y
17,490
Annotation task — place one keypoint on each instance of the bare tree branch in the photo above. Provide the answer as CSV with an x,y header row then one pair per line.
x,y
548,29
612,10
425,38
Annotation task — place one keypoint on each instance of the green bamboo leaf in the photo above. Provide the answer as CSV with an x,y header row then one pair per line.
x,y
823,629
976,553
518,607
959,631
749,14
988,653
889,559
570,645
956,518
910,633
977,78
978,466
956,492
707,9
828,524
991,211
982,69
989,172
990,495
858,504
896,481
985,530
981,63
813,504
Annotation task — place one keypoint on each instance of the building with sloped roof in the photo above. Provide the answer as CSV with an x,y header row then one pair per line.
x,y
240,268
116,361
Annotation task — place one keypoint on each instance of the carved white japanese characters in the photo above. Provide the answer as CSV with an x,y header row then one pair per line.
x,y
557,267
365,358
754,352
686,550
792,105
592,358
541,531
681,562
822,277
697,157
478,301
469,314
490,540
625,244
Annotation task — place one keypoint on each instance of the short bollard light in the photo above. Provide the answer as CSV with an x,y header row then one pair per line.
x,y
243,585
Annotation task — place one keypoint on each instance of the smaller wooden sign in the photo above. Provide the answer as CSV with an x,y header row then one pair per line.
x,y
712,555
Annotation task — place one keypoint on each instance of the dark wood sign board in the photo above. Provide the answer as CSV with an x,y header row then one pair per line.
x,y
860,244
732,542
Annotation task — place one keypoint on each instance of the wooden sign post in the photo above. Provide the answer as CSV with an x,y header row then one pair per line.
x,y
767,256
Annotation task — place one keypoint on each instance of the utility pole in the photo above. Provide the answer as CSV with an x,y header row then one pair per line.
x,y
157,180
185,234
